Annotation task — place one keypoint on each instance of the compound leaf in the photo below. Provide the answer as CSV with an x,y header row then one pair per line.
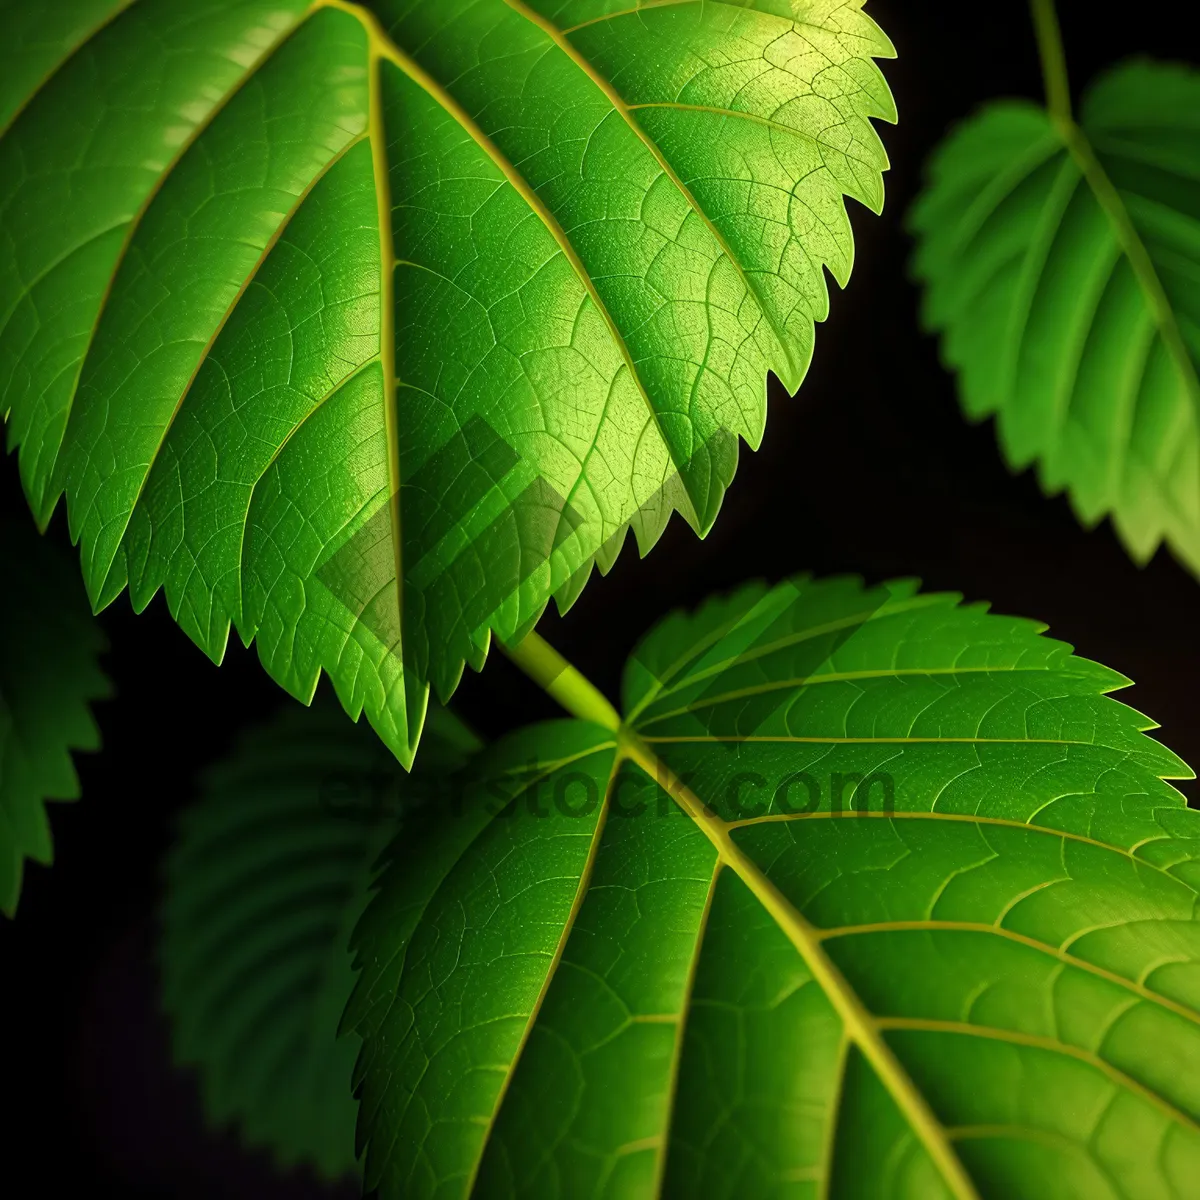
x,y
1062,266
365,329
49,675
873,894
263,886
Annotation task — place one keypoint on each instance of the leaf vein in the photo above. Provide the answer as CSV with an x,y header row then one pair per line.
x,y
1064,956
610,93
1034,1042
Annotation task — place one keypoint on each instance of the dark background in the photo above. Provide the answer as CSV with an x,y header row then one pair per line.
x,y
870,469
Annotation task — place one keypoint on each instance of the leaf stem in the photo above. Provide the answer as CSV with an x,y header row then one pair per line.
x,y
563,682
580,697
1054,61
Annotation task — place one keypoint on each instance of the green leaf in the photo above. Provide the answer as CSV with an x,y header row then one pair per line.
x,y
366,329
263,886
49,647
1062,265
874,894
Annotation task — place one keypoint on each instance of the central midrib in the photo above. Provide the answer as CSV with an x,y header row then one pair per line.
x,y
384,47
858,1023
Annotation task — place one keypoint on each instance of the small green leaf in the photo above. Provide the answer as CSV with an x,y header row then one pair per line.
x,y
875,894
364,329
263,887
49,646
1062,266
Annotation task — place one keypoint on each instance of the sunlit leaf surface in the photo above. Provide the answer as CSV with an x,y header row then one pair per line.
x,y
366,329
879,895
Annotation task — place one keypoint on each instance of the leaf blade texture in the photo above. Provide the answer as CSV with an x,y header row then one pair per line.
x,y
1060,271
879,894
366,329
49,677
264,882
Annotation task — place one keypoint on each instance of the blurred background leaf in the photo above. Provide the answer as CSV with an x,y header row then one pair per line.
x,y
264,884
1062,271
